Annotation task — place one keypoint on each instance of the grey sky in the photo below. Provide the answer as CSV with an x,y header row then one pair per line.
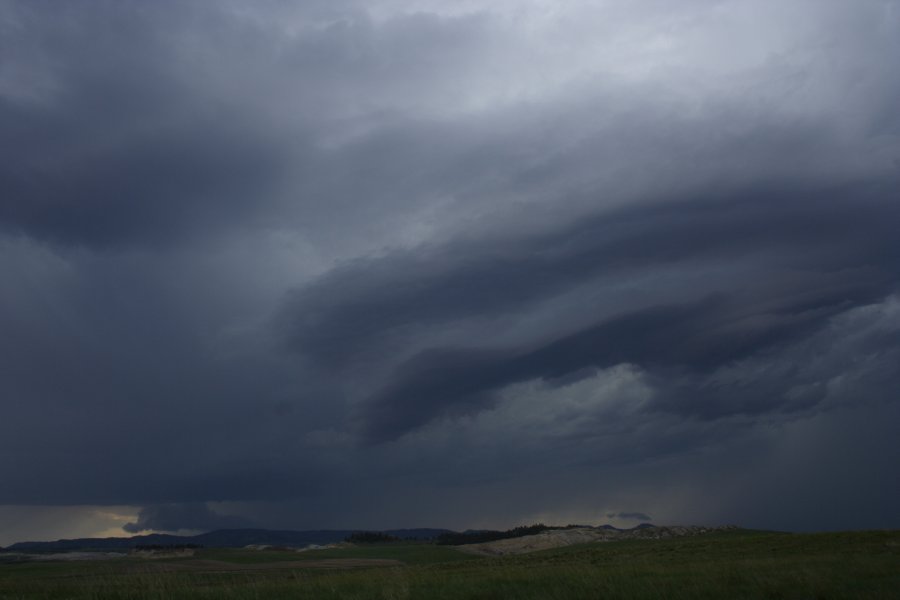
x,y
394,263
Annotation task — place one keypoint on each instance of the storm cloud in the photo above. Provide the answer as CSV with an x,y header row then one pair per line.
x,y
256,259
632,516
804,267
176,517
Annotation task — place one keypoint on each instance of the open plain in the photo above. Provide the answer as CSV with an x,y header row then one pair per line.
x,y
723,564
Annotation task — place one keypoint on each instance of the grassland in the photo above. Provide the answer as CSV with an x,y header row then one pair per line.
x,y
738,564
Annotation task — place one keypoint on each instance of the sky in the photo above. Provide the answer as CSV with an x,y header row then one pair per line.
x,y
395,263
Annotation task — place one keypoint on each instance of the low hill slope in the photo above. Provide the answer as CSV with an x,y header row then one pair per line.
x,y
557,538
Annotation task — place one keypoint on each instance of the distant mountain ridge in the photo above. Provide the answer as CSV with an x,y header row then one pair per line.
x,y
238,538
222,538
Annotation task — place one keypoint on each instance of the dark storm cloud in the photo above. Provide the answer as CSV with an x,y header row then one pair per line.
x,y
628,250
122,148
700,336
845,236
173,517
631,516
368,301
152,189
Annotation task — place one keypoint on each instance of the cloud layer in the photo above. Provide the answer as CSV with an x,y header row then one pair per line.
x,y
186,516
645,254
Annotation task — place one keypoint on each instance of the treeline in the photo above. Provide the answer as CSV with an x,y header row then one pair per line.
x,y
168,547
477,537
370,537
453,538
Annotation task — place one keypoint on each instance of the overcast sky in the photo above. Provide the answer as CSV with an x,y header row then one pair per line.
x,y
448,263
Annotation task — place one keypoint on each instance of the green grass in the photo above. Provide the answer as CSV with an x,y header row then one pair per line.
x,y
728,565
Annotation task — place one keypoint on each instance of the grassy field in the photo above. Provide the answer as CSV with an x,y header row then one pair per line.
x,y
739,564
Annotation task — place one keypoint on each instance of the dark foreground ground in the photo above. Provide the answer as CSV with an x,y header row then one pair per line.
x,y
736,564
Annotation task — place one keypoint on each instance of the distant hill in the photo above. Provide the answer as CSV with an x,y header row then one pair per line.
x,y
223,538
569,536
238,538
